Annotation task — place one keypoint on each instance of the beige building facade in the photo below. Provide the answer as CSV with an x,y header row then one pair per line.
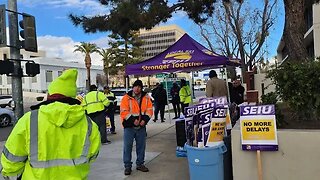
x,y
159,38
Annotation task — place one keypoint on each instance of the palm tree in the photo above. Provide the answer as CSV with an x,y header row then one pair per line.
x,y
107,58
87,49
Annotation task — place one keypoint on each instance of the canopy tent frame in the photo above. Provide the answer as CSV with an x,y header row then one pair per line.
x,y
185,55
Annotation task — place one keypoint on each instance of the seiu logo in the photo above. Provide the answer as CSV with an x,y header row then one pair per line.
x,y
257,110
220,112
207,118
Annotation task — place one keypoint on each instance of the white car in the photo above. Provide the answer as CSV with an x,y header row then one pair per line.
x,y
6,117
118,93
5,100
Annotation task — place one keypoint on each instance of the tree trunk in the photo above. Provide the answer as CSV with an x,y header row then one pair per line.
x,y
126,61
87,61
88,76
107,75
295,29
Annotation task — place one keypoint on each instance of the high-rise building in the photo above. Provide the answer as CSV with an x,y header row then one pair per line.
x,y
312,33
159,38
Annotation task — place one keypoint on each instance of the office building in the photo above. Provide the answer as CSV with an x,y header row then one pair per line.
x,y
159,38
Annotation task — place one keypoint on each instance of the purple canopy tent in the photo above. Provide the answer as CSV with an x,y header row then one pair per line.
x,y
185,55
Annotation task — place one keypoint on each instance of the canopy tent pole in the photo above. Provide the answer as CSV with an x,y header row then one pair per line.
x,y
166,80
192,83
228,91
127,83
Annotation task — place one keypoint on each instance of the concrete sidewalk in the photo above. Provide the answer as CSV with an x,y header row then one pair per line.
x,y
160,156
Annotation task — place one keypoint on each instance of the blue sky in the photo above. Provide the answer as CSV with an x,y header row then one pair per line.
x,y
57,35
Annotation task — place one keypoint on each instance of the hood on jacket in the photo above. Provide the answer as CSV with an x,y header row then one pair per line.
x,y
62,114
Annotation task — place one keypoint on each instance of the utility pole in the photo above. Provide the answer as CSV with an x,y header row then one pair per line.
x,y
15,54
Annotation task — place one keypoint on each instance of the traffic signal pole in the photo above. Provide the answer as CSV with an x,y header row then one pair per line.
x,y
15,54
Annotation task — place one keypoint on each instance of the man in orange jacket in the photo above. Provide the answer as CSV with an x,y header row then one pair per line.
x,y
135,112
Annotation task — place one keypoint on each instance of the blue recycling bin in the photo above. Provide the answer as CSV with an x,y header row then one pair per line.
x,y
206,163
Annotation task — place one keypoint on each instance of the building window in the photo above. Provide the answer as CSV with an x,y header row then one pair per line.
x,y
5,56
34,79
9,80
23,81
49,76
59,73
0,79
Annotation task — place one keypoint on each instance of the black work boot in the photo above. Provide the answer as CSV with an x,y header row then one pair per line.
x,y
142,168
127,171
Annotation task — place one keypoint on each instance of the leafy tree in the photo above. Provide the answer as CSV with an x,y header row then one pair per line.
x,y
123,52
108,59
87,49
240,30
128,15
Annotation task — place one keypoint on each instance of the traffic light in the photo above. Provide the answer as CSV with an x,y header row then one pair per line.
x,y
28,33
6,67
32,69
3,35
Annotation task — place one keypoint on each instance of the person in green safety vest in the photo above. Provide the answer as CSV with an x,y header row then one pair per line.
x,y
56,140
95,104
184,94
111,108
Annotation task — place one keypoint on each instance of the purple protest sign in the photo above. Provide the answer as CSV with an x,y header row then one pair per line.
x,y
257,110
258,128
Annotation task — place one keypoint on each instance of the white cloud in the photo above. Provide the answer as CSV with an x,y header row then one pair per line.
x,y
63,47
177,16
88,7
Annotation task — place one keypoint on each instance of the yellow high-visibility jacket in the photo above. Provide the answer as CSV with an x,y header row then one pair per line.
x,y
57,141
95,101
185,95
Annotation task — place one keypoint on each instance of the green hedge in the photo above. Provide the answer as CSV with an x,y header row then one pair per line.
x,y
298,84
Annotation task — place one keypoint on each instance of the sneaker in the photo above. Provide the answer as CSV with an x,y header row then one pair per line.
x,y
162,121
154,120
113,132
175,117
142,168
106,143
127,171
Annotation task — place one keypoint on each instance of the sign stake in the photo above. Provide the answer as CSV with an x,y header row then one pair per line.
x,y
259,164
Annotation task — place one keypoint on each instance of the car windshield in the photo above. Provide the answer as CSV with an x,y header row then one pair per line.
x,y
5,97
119,93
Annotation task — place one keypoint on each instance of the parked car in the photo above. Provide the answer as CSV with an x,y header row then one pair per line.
x,y
5,100
118,93
6,117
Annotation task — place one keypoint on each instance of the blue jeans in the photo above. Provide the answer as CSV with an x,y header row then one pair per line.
x,y
140,136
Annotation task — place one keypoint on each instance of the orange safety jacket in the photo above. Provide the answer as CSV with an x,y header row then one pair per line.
x,y
130,109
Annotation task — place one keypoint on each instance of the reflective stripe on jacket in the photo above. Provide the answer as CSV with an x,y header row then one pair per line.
x,y
111,97
95,101
55,142
130,109
185,95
